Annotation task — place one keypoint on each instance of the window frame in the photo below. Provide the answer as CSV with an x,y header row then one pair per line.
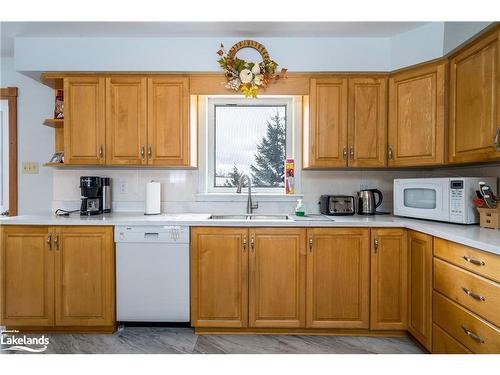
x,y
206,110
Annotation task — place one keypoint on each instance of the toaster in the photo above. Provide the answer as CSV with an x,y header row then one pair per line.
x,y
336,205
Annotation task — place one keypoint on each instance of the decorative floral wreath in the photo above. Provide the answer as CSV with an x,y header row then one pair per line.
x,y
248,77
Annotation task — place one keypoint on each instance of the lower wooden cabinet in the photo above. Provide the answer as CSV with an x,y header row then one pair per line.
x,y
389,283
219,277
57,276
338,278
420,287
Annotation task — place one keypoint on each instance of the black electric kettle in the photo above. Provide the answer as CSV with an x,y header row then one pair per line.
x,y
367,205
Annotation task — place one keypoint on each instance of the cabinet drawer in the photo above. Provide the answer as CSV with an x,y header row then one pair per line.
x,y
477,261
478,294
443,343
465,327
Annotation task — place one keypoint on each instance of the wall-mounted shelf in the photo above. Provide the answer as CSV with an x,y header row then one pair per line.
x,y
54,123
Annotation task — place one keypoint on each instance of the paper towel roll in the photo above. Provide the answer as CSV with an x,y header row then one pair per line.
x,y
153,198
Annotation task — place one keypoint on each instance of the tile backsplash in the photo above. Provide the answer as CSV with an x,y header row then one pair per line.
x,y
180,187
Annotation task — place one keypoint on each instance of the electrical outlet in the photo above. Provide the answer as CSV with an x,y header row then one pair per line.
x,y
123,187
30,167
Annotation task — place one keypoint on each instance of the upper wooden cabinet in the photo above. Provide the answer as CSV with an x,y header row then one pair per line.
x,y
219,277
325,139
474,102
367,122
389,283
338,278
277,277
347,123
417,116
420,287
168,121
84,122
126,120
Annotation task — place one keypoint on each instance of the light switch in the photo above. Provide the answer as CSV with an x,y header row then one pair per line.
x,y
30,167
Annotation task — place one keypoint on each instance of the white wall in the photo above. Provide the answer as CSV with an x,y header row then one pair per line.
x,y
35,141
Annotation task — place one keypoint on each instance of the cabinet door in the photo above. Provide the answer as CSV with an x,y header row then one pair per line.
x,y
367,130
420,287
277,277
126,120
325,137
416,116
219,277
475,102
338,278
168,121
84,276
389,273
27,279
84,120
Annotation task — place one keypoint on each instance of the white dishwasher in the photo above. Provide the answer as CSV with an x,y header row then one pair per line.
x,y
152,273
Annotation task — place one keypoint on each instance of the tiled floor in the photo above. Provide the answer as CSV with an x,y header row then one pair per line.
x,y
183,340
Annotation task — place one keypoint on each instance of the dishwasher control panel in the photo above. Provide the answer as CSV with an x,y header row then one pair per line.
x,y
152,234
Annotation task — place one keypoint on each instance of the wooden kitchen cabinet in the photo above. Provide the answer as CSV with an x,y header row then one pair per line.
x,y
126,131
338,278
84,120
389,279
277,277
168,140
27,276
84,276
325,136
420,287
474,102
416,127
219,277
58,277
367,122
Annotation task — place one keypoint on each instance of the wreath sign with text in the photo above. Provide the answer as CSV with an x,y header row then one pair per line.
x,y
248,77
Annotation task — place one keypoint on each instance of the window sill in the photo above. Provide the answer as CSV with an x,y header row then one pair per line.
x,y
234,197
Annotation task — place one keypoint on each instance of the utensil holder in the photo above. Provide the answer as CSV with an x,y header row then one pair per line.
x,y
489,217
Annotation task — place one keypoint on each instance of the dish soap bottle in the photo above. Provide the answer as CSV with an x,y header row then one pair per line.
x,y
300,209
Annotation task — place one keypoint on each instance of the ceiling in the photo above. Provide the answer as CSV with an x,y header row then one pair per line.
x,y
10,30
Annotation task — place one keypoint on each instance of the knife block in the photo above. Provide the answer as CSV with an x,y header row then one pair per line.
x,y
489,217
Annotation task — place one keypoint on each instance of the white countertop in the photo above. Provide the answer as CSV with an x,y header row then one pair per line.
x,y
470,235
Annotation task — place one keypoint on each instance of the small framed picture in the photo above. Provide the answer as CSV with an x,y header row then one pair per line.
x,y
57,157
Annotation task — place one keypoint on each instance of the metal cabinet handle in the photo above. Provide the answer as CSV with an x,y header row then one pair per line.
x,y
101,152
375,245
56,241
244,244
310,244
389,152
150,151
474,261
473,295
473,336
49,241
351,152
143,152
496,140
344,153
252,244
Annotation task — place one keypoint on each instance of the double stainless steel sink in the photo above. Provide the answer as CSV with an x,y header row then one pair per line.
x,y
270,217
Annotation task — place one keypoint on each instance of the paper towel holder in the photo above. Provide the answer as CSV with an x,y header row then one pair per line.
x,y
158,197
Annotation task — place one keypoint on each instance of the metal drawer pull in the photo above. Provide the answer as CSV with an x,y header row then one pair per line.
x,y
310,244
351,152
375,243
344,153
473,336
474,261
143,152
244,244
56,241
473,295
49,241
252,244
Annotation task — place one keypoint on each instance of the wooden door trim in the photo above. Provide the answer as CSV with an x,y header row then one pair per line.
x,y
10,94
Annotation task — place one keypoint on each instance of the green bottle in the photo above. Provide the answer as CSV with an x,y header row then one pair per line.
x,y
300,209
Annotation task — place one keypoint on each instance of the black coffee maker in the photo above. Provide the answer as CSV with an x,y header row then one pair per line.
x,y
91,192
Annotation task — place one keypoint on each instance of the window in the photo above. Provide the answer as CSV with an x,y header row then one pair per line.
x,y
247,136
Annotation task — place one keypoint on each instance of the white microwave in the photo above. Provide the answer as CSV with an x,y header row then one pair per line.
x,y
441,199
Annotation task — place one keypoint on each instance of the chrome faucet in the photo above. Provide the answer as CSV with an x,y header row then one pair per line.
x,y
250,205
